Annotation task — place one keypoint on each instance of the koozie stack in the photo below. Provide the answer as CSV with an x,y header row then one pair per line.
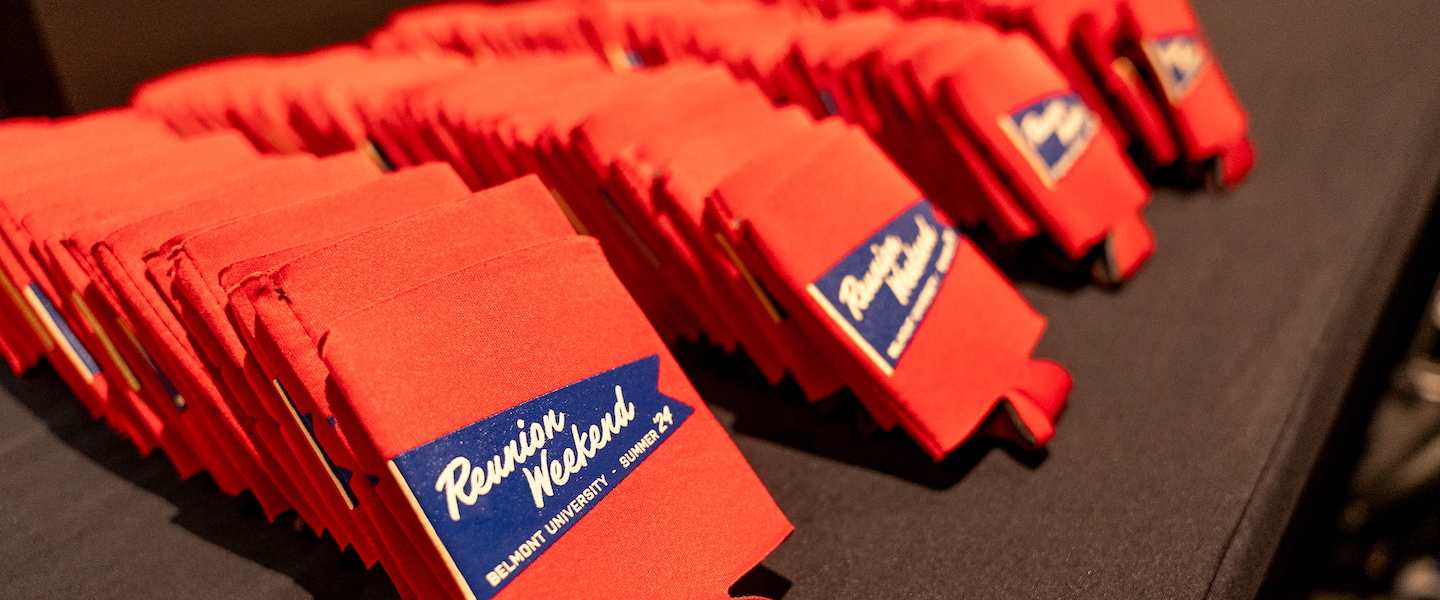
x,y
639,159
285,103
219,303
1144,65
984,121
349,280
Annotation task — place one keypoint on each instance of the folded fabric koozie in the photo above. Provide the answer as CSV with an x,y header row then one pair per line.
x,y
1146,68
543,435
914,317
121,255
61,231
1212,126
1063,163
191,267
282,313
32,153
42,217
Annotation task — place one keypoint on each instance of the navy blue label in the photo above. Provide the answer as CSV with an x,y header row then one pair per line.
x,y
498,492
340,476
175,397
60,329
827,100
881,292
1177,60
623,59
1052,133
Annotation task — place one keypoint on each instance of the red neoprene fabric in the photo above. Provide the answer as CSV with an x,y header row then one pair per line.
x,y
51,159
943,159
608,139
502,126
691,167
784,229
752,45
792,58
408,251
640,140
77,270
1053,25
78,190
485,330
45,153
1096,43
1102,46
1208,116
198,260
1098,190
283,331
122,254
126,249
753,182
824,52
107,298
302,101
81,283
623,145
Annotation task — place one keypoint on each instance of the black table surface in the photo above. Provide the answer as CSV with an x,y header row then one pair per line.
x,y
1203,389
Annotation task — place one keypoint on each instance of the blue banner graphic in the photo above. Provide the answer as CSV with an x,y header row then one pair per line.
x,y
880,293
499,492
1177,60
1052,133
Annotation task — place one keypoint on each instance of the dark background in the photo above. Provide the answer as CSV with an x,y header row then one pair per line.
x,y
97,51
1207,390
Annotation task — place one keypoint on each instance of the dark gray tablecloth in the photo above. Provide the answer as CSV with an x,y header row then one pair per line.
x,y
1203,389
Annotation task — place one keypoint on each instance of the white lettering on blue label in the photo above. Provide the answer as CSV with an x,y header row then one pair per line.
x,y
880,293
572,446
1052,133
1177,61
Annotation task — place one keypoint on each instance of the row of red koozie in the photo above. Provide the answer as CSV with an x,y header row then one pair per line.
x,y
291,323
822,259
1016,116
379,352
1007,131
